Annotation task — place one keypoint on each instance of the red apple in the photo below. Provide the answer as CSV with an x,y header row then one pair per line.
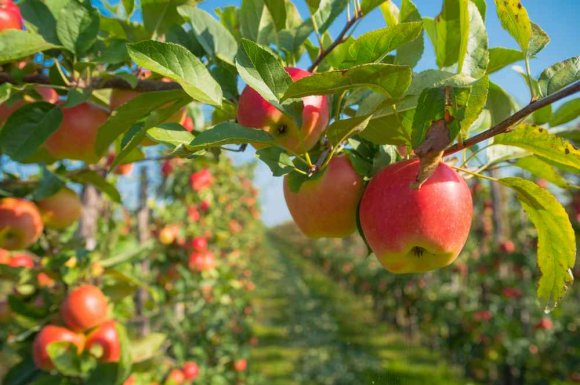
x,y
416,230
175,377
22,260
48,335
193,213
326,205
240,365
190,370
20,223
107,337
77,135
61,210
204,205
10,17
188,124
254,111
545,324
84,308
201,261
199,243
201,180
507,247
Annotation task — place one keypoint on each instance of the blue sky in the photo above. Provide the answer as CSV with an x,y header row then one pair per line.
x,y
559,18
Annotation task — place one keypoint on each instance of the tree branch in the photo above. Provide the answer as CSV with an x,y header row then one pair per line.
x,y
339,40
505,126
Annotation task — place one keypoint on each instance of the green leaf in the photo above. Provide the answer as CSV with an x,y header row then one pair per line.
x,y
256,22
49,185
500,57
39,19
410,53
276,159
15,45
77,26
327,12
340,130
542,170
147,347
171,133
93,178
262,71
28,128
430,108
374,46
556,241
538,41
228,133
124,117
215,39
566,112
514,19
540,141
160,15
392,80
559,75
473,55
475,103
543,115
499,103
445,31
65,358
393,128
177,63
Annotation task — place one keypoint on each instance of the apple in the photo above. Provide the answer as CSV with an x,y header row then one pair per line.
x,y
199,243
188,124
507,247
204,205
21,260
201,180
175,377
84,308
77,134
416,230
193,213
255,112
190,370
48,335
482,315
168,234
20,223
240,365
545,324
10,17
201,261
130,380
107,337
4,257
47,94
326,205
61,210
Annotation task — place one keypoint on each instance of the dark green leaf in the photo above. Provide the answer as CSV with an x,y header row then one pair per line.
x,y
430,108
256,22
445,32
28,128
39,19
77,26
276,159
228,133
340,130
49,185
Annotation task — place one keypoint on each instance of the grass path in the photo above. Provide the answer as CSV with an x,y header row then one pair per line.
x,y
313,332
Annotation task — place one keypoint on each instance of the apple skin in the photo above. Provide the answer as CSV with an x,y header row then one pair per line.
x,y
201,180
84,308
201,261
107,337
22,259
76,136
199,243
240,365
255,112
10,17
327,206
175,377
48,335
61,210
416,230
190,370
48,95
20,223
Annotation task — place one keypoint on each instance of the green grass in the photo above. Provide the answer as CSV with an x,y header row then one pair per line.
x,y
311,331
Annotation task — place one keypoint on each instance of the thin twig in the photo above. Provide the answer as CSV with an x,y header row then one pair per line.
x,y
504,126
339,40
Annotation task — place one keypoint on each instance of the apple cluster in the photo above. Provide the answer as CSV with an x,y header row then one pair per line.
x,y
409,228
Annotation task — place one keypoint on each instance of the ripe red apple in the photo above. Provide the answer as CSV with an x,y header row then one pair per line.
x,y
199,243
204,205
193,213
545,324
188,124
22,259
190,370
416,230
201,180
20,223
175,377
201,261
254,111
48,335
240,365
48,95
10,17
107,337
84,308
61,210
77,135
326,206
507,247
